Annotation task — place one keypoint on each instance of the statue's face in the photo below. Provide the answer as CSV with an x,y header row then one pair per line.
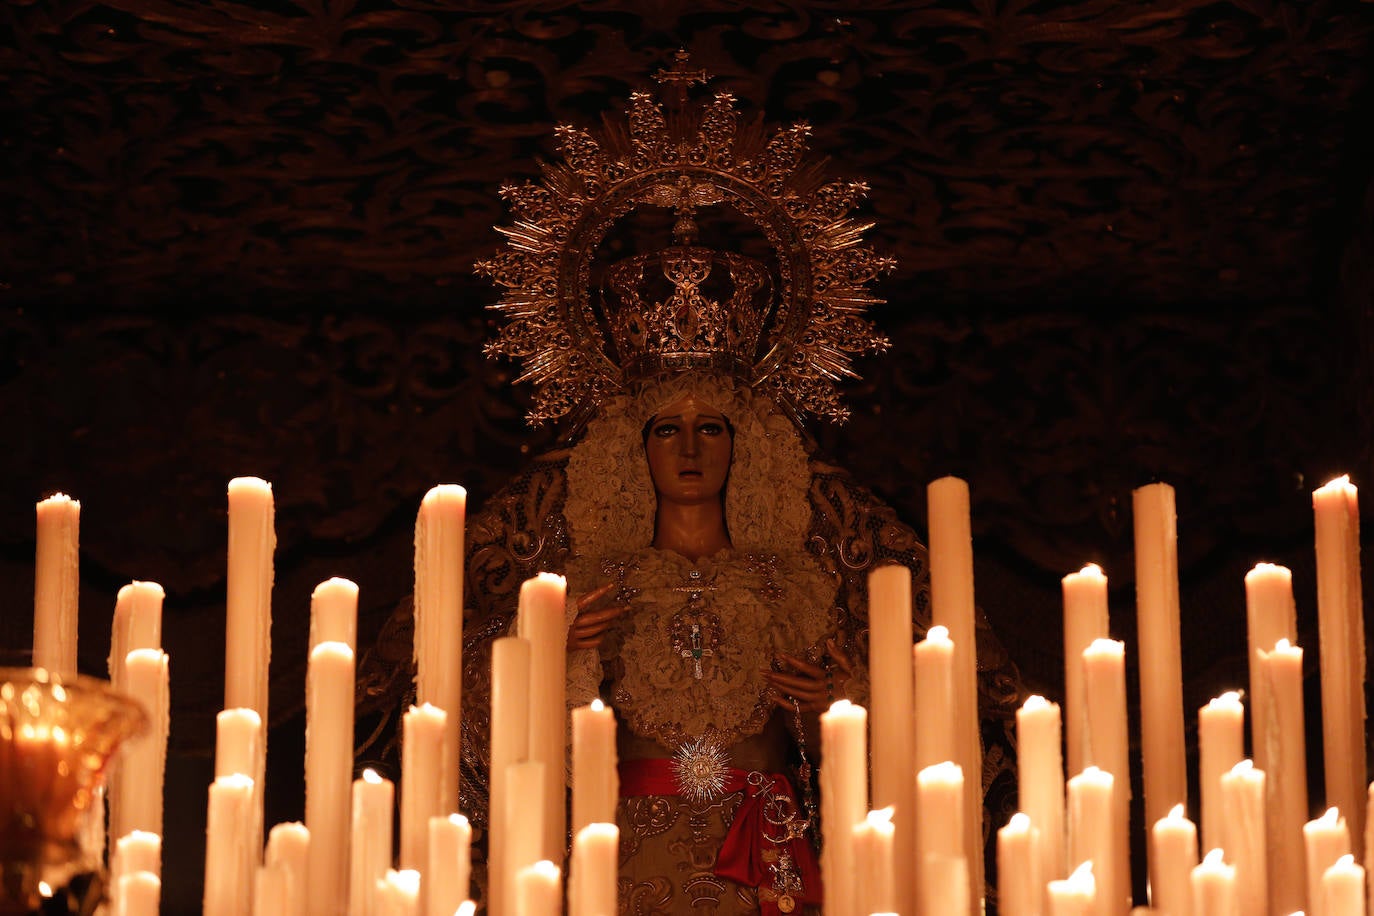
x,y
689,447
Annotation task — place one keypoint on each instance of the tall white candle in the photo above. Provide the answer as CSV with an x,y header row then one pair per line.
x,y
288,848
248,614
334,613
423,763
1020,878
1214,887
238,742
952,606
1340,612
539,890
1325,840
1343,892
592,875
1281,739
439,618
596,781
891,712
1161,661
328,774
136,799
449,869
230,855
844,800
271,891
1085,620
510,742
1104,677
1040,779
936,732
1092,837
541,618
370,850
57,578
1221,745
1173,849
1244,834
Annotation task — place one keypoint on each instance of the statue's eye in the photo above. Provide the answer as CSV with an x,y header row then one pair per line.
x,y
664,430
711,429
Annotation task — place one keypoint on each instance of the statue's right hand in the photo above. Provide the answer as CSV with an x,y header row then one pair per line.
x,y
594,618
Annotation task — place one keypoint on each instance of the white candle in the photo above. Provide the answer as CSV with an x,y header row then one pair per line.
x,y
1161,666
892,707
939,837
272,891
423,763
1325,840
844,800
1221,745
1173,850
1340,612
329,689
1270,616
138,894
439,618
1092,837
334,613
1075,895
1214,887
370,851
510,742
539,890
449,870
137,624
1040,778
1020,878
57,578
1104,677
873,852
1244,834
238,742
1280,736
593,875
1343,891
596,781
952,606
1085,620
541,618
936,734
398,894
248,614
288,848
136,799
230,855
135,852
524,834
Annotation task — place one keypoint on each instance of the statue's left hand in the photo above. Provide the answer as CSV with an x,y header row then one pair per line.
x,y
813,687
594,618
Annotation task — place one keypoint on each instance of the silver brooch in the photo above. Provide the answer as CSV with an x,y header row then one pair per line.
x,y
702,769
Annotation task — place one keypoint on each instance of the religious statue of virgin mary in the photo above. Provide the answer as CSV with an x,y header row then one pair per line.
x,y
716,564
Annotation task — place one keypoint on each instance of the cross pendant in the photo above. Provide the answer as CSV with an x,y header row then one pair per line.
x,y
695,651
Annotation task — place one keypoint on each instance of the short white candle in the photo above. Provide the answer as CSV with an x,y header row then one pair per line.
x,y
1214,887
57,578
1221,745
1040,778
1325,839
137,624
134,852
370,854
238,742
272,891
939,837
541,618
592,876
1085,620
873,852
398,894
596,781
1092,837
1173,850
138,894
891,734
933,662
1343,892
1075,895
539,890
1020,882
450,864
1282,741
229,848
143,758
423,762
329,687
510,742
844,799
524,820
1104,677
1244,832
288,847
334,613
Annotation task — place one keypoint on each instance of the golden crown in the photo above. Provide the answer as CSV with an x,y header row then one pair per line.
x,y
586,324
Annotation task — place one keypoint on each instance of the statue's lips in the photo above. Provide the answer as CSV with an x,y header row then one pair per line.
x,y
689,473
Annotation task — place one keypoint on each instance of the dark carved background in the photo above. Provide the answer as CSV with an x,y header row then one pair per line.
x,y
1134,240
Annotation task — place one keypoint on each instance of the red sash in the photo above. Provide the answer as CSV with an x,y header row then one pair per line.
x,y
745,854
